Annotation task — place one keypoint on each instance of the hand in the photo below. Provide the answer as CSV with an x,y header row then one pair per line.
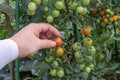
x,y
34,37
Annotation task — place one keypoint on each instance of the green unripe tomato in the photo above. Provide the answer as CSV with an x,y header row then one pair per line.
x,y
87,69
85,2
80,9
91,50
77,54
55,13
59,5
48,59
46,8
53,72
50,18
32,6
82,67
87,41
60,73
108,10
84,10
73,5
45,2
91,66
38,2
76,46
55,64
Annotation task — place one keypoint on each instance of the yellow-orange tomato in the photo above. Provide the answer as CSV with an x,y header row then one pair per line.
x,y
86,31
59,51
93,12
101,12
106,21
115,18
58,41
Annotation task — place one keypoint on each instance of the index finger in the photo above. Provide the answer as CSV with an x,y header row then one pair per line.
x,y
49,28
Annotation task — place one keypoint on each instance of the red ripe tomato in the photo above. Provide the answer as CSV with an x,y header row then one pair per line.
x,y
58,41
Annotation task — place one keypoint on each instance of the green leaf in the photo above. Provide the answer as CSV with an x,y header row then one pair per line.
x,y
42,69
93,78
114,66
7,9
84,74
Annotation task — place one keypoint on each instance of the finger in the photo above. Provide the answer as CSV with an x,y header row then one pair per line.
x,y
43,37
46,44
47,27
48,35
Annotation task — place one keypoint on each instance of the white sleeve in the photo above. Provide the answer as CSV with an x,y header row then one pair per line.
x,y
8,52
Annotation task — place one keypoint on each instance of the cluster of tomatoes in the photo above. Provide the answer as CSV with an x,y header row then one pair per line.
x,y
106,16
54,59
53,11
84,55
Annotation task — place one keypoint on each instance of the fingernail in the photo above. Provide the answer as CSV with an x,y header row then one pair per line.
x,y
53,44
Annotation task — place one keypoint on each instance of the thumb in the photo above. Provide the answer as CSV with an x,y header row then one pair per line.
x,y
47,44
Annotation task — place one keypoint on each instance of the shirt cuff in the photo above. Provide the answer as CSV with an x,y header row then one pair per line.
x,y
14,49
8,51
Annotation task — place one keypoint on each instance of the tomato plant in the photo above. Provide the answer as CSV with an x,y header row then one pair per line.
x,y
88,48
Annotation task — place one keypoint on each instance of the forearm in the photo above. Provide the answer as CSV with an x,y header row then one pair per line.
x,y
8,52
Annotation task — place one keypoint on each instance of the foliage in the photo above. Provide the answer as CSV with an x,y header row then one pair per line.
x,y
82,62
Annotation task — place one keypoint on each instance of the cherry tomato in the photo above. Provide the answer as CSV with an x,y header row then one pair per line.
x,y
87,41
82,67
91,50
53,72
108,10
45,2
77,54
73,5
87,69
48,59
101,12
80,10
105,20
55,13
49,52
58,41
50,18
86,31
115,18
37,2
59,51
32,6
55,64
59,5
76,46
60,73
91,66
46,8
85,2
